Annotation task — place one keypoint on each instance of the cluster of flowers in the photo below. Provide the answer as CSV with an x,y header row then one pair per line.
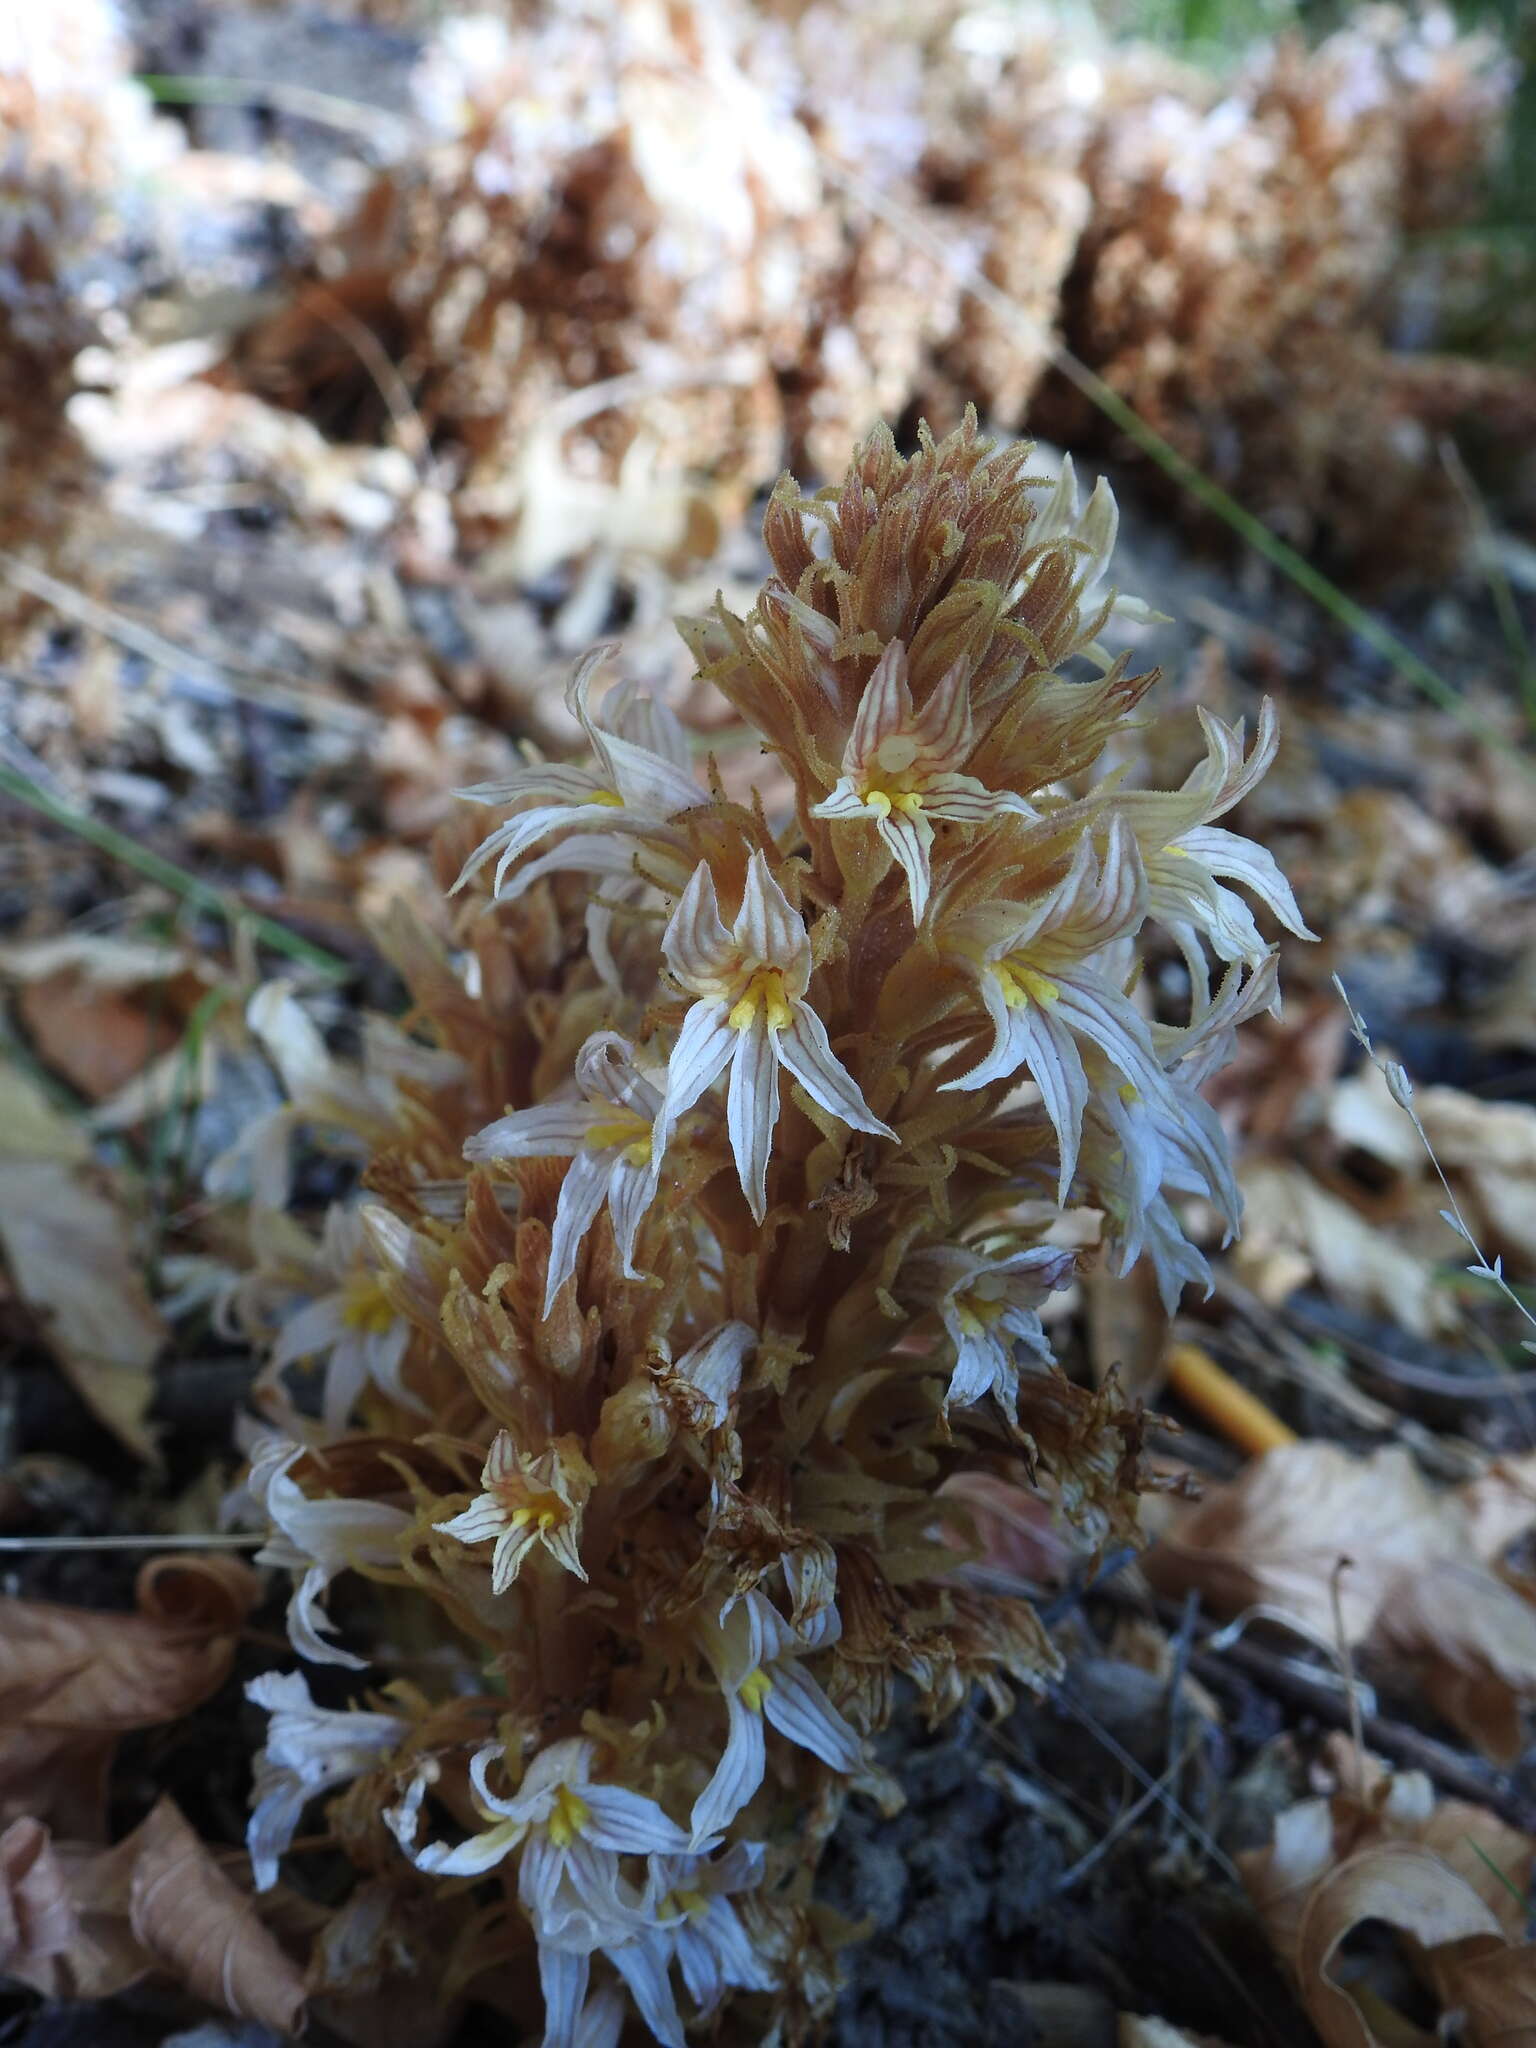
x,y
660,247
646,1432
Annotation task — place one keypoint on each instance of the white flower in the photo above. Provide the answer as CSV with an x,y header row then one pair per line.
x,y
695,1924
639,782
358,1108
753,1652
607,1136
353,1324
308,1749
1134,1149
899,769
750,1015
1186,857
572,1830
1044,990
527,1500
712,1367
318,1539
1094,530
988,1306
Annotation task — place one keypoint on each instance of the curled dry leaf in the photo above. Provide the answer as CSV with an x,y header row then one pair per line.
x,y
71,1680
38,1922
1294,1226
1417,1588
1409,1889
78,1922
70,1668
1488,1147
1450,1876
1496,1990
191,1920
69,1247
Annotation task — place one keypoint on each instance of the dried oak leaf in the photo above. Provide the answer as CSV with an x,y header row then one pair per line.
x,y
72,1680
80,1922
72,1668
38,1921
1417,1589
1292,1224
1495,1988
69,1248
1450,1876
193,1922
1409,1889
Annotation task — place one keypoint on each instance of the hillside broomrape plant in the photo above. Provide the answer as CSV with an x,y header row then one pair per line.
x,y
641,1431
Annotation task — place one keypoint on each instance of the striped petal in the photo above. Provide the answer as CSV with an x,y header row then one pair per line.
x,y
908,838
704,1046
806,1052
582,1194
752,1109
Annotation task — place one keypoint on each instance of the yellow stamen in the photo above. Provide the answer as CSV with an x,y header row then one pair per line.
x,y
883,801
976,1315
1022,984
610,797
624,1127
766,988
570,1815
754,1689
1129,1092
365,1306
545,1510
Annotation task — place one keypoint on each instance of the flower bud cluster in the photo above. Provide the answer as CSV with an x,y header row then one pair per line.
x,y
642,1433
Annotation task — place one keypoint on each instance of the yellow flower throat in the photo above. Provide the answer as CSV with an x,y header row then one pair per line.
x,y
545,1510
365,1306
766,991
1022,984
625,1128
568,1816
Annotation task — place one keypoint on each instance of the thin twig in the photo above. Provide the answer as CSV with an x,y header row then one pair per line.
x,y
410,428
1453,1770
389,132
1062,1697
1124,1822
222,1541
1178,1750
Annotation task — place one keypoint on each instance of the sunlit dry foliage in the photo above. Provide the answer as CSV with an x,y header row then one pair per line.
x,y
1254,262
649,252
75,132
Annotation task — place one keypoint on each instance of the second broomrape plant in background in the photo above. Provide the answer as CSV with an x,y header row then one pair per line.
x,y
771,1107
